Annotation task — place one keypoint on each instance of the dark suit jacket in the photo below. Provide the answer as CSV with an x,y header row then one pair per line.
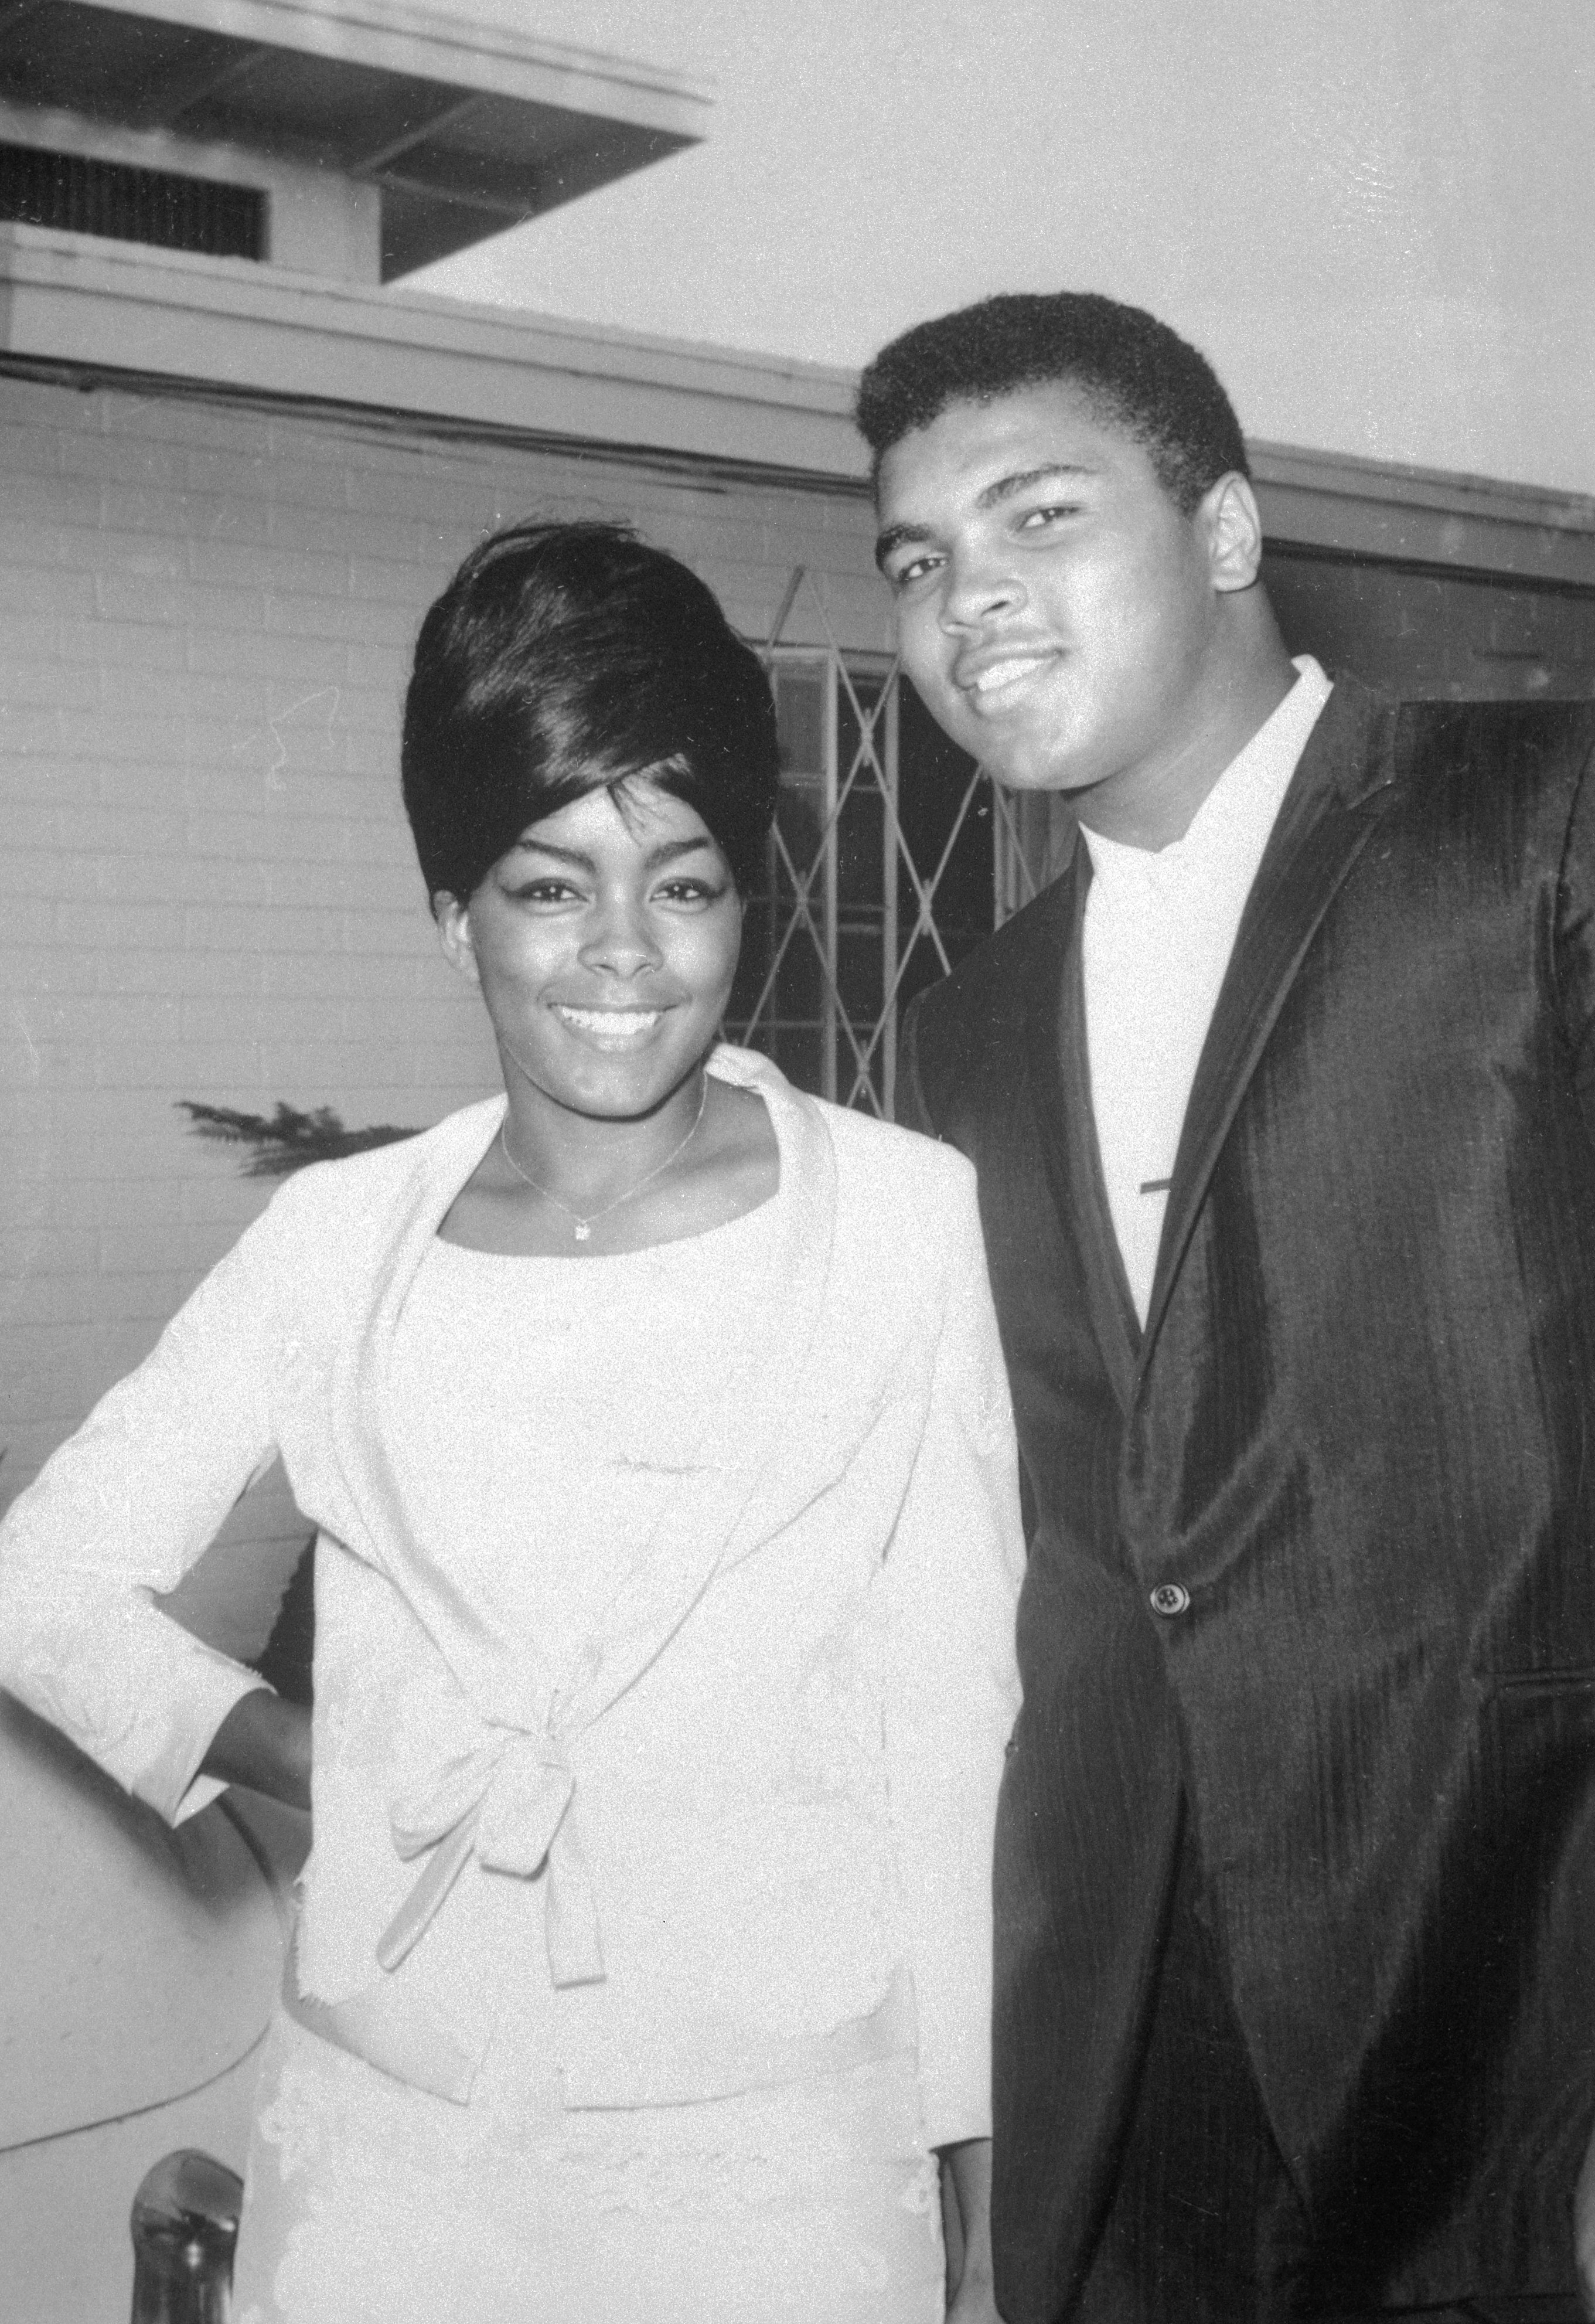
x,y
1355,1435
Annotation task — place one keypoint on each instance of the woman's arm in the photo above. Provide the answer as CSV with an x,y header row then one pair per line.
x,y
263,1742
952,1575
971,2298
116,1516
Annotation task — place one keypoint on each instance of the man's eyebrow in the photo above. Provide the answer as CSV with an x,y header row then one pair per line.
x,y
902,536
1006,487
898,536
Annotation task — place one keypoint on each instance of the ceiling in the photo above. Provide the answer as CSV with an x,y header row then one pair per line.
x,y
465,130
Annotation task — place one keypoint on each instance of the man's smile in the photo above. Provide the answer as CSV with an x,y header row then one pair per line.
x,y
990,682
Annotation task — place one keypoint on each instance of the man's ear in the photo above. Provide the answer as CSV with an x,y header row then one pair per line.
x,y
453,934
1232,530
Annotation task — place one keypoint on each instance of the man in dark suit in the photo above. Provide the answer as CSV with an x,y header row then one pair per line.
x,y
1282,1100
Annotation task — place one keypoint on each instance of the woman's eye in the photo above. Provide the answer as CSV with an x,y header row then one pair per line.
x,y
543,892
688,891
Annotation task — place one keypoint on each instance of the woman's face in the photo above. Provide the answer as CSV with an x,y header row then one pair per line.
x,y
604,943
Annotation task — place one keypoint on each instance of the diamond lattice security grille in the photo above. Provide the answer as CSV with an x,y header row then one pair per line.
x,y
881,871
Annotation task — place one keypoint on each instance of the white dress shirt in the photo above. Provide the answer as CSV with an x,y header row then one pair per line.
x,y
1159,929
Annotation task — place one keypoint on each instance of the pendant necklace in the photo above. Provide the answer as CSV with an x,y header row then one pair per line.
x,y
583,1226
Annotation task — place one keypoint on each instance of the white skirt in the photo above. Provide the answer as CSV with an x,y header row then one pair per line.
x,y
368,2202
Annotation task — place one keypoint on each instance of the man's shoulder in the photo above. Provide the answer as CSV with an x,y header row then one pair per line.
x,y
970,1028
1527,739
989,982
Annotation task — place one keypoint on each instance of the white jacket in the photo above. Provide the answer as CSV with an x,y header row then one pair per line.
x,y
767,1787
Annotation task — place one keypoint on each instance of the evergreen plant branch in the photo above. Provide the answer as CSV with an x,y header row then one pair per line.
x,y
286,1140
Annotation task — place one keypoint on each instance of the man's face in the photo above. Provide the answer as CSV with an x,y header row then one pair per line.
x,y
1058,614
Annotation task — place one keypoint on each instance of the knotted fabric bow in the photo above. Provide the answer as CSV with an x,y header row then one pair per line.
x,y
507,1804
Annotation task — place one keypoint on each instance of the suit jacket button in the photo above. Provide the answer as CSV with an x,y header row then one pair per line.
x,y
1169,1598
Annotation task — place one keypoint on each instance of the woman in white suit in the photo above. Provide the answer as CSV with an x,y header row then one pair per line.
x,y
653,1422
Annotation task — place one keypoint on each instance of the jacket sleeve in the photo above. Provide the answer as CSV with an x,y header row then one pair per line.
x,y
120,1512
1575,943
954,1570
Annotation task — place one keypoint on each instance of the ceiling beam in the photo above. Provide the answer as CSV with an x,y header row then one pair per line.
x,y
200,86
453,109
442,188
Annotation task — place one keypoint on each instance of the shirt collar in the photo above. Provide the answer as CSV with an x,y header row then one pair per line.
x,y
1229,830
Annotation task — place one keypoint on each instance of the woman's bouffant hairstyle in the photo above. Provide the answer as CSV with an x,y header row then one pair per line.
x,y
564,659
1133,369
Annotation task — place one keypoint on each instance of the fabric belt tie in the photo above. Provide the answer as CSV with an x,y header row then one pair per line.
x,y
507,1804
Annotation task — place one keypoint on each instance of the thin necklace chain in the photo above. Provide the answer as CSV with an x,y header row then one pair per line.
x,y
584,1223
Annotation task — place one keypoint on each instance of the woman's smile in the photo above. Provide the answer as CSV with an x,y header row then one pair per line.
x,y
609,1028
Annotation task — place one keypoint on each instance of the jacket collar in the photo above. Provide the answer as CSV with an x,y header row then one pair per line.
x,y
741,1431
1329,812
513,1800
1060,1080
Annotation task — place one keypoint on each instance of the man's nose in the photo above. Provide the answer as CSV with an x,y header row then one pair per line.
x,y
979,588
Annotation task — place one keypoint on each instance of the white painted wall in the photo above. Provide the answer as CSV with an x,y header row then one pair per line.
x,y
1375,216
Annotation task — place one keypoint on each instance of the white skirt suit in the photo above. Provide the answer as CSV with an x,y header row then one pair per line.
x,y
643,1949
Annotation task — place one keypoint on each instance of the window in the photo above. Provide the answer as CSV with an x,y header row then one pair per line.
x,y
878,875
112,199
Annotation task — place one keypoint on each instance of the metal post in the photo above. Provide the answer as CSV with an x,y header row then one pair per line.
x,y
890,956
829,823
185,2227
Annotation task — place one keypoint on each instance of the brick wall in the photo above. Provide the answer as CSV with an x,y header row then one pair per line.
x,y
206,615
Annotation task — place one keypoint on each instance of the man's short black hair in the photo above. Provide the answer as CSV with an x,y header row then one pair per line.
x,y
1136,371
564,659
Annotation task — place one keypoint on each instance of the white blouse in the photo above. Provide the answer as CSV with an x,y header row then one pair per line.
x,y
539,1410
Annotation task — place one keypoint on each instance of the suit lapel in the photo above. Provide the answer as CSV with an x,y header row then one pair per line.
x,y
1060,1082
1329,812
